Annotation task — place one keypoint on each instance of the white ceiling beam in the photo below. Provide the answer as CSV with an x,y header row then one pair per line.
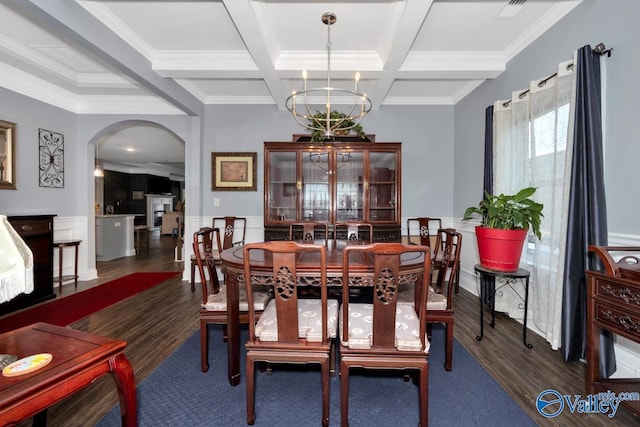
x,y
407,25
248,25
76,25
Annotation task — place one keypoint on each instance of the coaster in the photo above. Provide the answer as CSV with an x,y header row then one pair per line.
x,y
27,364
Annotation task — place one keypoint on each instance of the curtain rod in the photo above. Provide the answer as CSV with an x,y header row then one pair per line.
x,y
600,50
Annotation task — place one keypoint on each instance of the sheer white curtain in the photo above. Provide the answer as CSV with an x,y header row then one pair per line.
x,y
531,149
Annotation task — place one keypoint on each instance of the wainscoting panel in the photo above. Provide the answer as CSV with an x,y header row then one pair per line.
x,y
74,228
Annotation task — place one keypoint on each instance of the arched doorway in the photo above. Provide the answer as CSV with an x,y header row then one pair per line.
x,y
139,158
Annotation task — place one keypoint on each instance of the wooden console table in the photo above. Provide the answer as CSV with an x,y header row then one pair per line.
x,y
79,358
613,303
37,233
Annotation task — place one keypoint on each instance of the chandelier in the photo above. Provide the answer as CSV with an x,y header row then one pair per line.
x,y
321,160
299,103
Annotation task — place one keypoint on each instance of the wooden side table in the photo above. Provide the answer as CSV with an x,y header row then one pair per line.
x,y
488,290
141,234
60,245
79,358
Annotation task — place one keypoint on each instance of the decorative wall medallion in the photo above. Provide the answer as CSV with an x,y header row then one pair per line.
x,y
51,158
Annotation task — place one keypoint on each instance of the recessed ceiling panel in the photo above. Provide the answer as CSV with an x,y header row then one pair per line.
x,y
179,25
475,26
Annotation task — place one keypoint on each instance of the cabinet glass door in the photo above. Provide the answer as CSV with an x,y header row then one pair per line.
x,y
349,169
382,186
316,193
283,195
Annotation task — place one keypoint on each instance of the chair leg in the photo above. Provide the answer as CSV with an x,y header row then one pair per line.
x,y
457,280
429,331
448,356
344,394
204,346
424,395
251,388
193,275
324,367
332,358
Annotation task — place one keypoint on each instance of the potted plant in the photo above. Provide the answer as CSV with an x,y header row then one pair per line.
x,y
344,127
506,220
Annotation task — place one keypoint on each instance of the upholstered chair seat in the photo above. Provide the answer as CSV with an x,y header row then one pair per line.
x,y
309,320
407,337
436,301
218,301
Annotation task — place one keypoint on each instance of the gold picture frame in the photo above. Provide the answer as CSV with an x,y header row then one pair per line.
x,y
7,155
234,171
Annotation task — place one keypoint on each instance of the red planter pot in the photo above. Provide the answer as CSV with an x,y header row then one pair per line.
x,y
500,249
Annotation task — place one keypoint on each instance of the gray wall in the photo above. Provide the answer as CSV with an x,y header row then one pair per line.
x,y
614,23
426,134
30,198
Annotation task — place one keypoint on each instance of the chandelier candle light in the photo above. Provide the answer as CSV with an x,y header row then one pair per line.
x,y
325,122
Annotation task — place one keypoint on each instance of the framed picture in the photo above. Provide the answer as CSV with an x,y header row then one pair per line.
x,y
7,155
234,171
137,195
51,154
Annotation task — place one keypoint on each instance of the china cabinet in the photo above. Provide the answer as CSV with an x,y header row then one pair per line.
x,y
347,180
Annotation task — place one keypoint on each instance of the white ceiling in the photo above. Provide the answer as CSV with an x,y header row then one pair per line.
x,y
409,52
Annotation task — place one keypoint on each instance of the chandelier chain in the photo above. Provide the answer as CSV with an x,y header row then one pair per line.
x,y
329,121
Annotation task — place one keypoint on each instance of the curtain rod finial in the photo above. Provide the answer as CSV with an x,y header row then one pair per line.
x,y
601,49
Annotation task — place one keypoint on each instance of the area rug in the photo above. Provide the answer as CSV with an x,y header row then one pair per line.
x,y
178,393
66,310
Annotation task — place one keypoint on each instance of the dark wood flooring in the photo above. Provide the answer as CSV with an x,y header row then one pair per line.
x,y
157,321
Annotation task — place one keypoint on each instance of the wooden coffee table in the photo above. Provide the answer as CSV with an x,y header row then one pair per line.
x,y
79,358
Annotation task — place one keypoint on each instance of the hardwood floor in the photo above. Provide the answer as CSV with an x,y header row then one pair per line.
x,y
157,321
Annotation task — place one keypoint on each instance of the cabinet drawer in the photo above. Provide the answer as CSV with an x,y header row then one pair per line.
x,y
28,228
625,322
624,294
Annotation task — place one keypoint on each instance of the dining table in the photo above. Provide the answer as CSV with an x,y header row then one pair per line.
x,y
308,271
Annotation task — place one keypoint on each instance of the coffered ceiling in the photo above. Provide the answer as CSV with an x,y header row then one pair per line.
x,y
162,56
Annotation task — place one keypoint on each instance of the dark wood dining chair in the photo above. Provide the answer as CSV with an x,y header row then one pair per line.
x,y
290,330
387,333
232,233
213,309
308,232
353,232
233,229
438,250
422,230
439,303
